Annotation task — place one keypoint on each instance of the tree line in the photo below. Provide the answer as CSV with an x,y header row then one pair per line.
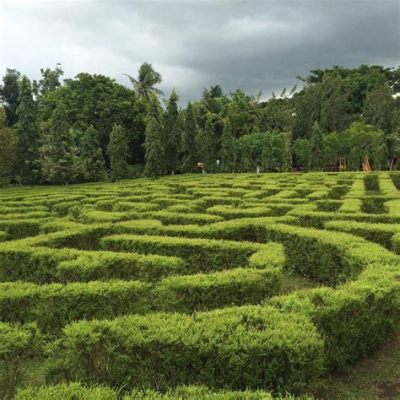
x,y
91,128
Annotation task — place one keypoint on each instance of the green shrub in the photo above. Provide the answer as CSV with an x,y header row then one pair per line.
x,y
371,182
18,343
71,391
76,391
373,205
54,305
230,212
201,255
239,286
98,265
378,233
249,347
17,229
168,217
270,255
203,393
355,318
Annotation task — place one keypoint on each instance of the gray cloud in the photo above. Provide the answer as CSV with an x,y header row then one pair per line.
x,y
254,45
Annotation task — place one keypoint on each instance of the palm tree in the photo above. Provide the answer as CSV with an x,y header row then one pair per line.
x,y
146,81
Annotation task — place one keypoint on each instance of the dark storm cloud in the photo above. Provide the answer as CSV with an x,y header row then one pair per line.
x,y
254,45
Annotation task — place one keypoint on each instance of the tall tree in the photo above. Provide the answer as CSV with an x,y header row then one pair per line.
x,y
379,108
316,148
58,152
27,133
189,153
145,83
118,153
91,156
50,80
227,151
8,149
206,144
9,94
154,143
172,134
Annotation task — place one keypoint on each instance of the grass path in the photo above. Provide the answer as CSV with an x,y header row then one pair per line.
x,y
377,377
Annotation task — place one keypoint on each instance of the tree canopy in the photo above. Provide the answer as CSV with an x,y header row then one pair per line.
x,y
90,127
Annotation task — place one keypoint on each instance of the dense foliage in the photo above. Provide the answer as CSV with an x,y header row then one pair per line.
x,y
248,283
64,132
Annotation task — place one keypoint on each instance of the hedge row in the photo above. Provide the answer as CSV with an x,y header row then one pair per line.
x,y
220,289
104,265
317,219
20,261
17,229
371,182
18,343
169,217
55,305
3,236
355,318
77,391
263,348
230,212
328,257
378,233
201,255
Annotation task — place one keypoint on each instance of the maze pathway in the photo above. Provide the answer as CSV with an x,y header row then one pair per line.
x,y
241,281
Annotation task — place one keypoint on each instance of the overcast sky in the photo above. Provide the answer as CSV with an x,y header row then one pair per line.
x,y
253,45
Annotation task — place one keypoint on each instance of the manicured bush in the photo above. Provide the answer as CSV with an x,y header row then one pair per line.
x,y
373,205
371,182
77,391
249,347
201,255
354,319
203,393
229,212
97,216
71,391
17,229
168,217
239,286
18,343
98,265
54,305
378,233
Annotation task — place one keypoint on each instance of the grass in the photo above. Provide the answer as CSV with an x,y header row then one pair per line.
x,y
374,378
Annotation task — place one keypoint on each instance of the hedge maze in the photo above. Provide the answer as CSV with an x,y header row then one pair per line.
x,y
252,285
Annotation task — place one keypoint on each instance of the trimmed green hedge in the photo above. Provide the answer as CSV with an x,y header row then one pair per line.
x,y
378,233
353,319
18,343
169,217
249,347
329,257
77,391
220,289
201,255
17,229
104,265
230,212
55,305
71,391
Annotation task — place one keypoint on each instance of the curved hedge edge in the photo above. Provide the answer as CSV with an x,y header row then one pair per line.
x,y
220,289
18,343
378,233
355,318
263,347
77,391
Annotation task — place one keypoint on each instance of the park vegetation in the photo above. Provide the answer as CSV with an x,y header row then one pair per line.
x,y
91,128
